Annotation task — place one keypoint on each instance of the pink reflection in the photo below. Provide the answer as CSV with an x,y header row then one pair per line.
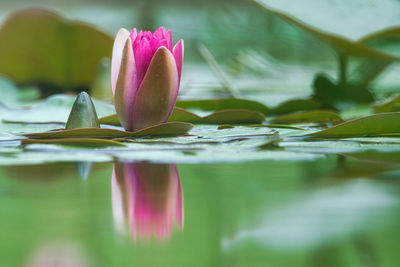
x,y
146,199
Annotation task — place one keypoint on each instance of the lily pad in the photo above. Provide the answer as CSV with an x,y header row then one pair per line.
x,y
234,116
294,105
163,129
222,103
308,116
86,142
385,124
40,47
390,105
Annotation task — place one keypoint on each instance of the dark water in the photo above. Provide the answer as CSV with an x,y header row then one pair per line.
x,y
334,211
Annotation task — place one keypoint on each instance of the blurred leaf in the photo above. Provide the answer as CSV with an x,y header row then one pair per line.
x,y
55,108
100,87
223,103
86,142
40,47
385,124
332,94
308,116
83,113
390,105
163,129
337,17
387,40
339,43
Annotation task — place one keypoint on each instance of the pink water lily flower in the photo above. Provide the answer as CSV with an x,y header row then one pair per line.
x,y
145,76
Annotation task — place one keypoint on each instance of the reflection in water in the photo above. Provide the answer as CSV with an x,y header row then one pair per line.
x,y
146,199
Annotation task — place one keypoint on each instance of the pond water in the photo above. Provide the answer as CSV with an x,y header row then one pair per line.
x,y
330,211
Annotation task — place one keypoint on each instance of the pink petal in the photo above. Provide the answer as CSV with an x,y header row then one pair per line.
x,y
157,93
119,44
178,54
160,33
126,86
143,54
133,35
168,37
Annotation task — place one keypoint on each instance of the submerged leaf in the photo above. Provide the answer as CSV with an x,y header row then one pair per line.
x,y
163,129
83,113
385,124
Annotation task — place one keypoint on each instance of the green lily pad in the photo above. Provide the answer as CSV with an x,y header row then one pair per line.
x,y
385,124
86,142
223,103
163,129
294,105
40,47
390,105
234,116
308,116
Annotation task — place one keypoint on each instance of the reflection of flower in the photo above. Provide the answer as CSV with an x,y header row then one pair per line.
x,y
145,76
146,199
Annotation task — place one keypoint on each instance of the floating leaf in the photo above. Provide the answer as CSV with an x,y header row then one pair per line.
x,y
390,105
235,116
87,142
308,116
40,47
294,105
223,103
110,119
180,114
385,124
83,113
163,129
270,125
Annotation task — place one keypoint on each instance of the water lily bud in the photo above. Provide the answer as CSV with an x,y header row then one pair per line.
x,y
83,113
145,76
